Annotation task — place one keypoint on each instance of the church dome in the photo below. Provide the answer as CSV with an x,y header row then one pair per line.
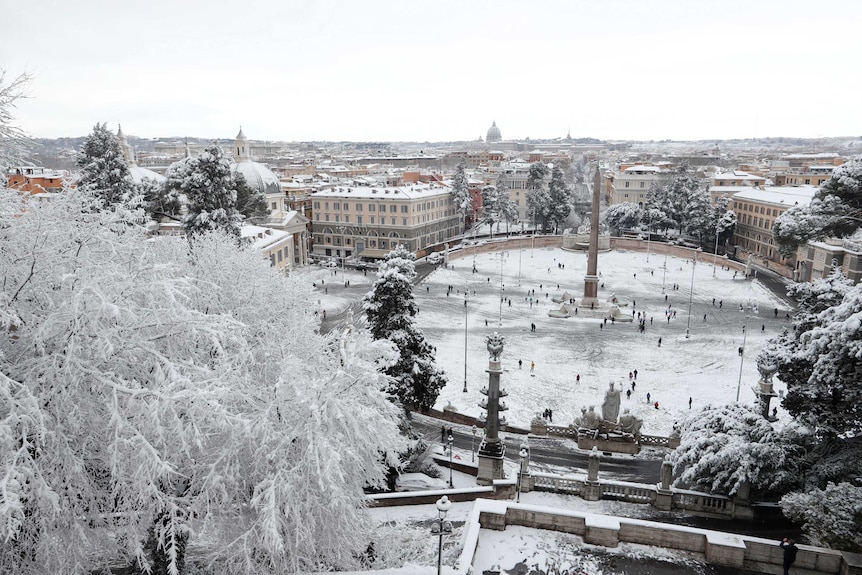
x,y
258,176
493,133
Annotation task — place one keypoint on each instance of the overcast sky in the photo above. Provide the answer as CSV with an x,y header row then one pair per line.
x,y
438,70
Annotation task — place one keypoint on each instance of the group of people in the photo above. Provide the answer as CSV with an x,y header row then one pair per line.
x,y
548,415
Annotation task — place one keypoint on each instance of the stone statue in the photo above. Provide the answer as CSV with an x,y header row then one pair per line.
x,y
611,405
494,343
666,474
630,423
593,465
591,419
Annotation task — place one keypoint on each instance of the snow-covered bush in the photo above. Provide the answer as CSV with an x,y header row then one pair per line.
x,y
830,517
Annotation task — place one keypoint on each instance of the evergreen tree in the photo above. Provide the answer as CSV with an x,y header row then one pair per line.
x,y
559,199
390,308
104,171
830,517
250,203
538,198
461,194
622,216
835,211
490,207
506,208
209,191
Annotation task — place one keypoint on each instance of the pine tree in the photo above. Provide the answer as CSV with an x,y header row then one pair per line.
x,y
461,195
538,198
490,207
830,517
623,215
560,199
835,211
416,381
207,187
506,208
251,203
104,170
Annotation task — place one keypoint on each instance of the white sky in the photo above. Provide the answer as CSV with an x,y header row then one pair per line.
x,y
443,70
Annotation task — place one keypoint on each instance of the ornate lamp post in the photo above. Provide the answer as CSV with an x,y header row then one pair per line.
x,y
690,295
466,286
741,358
522,454
450,440
441,527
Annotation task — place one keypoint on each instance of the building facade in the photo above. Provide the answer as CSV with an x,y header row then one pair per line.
x,y
369,221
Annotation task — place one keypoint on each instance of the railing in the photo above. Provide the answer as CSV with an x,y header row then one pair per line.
x,y
563,431
628,492
557,483
702,502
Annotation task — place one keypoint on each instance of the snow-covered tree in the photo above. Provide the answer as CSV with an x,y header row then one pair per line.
x,y
142,388
820,359
490,207
390,308
702,218
461,194
722,447
830,517
676,199
14,142
104,170
560,199
622,216
835,211
505,206
207,187
538,197
250,202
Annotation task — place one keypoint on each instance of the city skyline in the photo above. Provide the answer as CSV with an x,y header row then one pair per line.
x,y
387,71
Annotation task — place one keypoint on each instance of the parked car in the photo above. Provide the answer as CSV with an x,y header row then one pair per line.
x,y
434,258
330,264
361,267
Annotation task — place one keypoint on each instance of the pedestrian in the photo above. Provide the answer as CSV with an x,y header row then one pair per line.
x,y
713,301
635,373
665,297
324,314
520,363
631,375
601,325
533,327
659,342
442,434
704,318
720,303
628,394
510,303
775,311
650,320
762,328
550,415
486,323
578,378
634,303
790,549
427,289
689,403
656,405
533,368
633,385
606,321
647,397
636,276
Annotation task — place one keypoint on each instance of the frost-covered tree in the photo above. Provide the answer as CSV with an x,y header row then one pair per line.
x,y
622,216
104,170
390,308
505,206
142,389
560,199
14,142
830,517
461,194
723,447
678,198
835,211
206,186
490,207
538,197
820,359
250,202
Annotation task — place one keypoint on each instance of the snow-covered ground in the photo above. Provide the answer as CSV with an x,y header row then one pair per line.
x,y
705,367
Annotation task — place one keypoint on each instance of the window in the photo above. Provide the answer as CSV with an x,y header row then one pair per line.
x,y
359,220
404,209
359,207
325,205
392,209
642,184
336,206
372,219
273,206
337,218
627,184
316,205
370,207
403,221
393,220
327,217
347,218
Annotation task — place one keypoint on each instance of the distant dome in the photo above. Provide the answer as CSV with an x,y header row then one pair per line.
x,y
493,133
258,176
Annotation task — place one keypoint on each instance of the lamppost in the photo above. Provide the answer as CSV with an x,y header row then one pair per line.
x,y
441,527
465,337
741,358
520,250
522,454
664,268
472,443
715,253
502,288
450,440
690,294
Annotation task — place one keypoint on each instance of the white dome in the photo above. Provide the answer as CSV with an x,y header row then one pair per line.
x,y
493,134
258,176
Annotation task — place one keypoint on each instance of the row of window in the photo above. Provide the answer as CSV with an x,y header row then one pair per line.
x,y
760,209
371,207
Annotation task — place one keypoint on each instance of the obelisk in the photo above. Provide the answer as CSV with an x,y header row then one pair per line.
x,y
591,280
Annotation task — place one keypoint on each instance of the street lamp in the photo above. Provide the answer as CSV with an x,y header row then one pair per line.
x,y
522,454
441,527
690,294
472,442
715,253
741,358
465,337
450,440
664,268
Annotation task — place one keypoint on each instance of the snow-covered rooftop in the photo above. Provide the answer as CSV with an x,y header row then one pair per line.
x,y
263,237
411,192
642,169
783,195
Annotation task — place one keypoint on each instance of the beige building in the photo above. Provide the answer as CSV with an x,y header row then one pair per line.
x,y
816,260
756,210
369,221
632,184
